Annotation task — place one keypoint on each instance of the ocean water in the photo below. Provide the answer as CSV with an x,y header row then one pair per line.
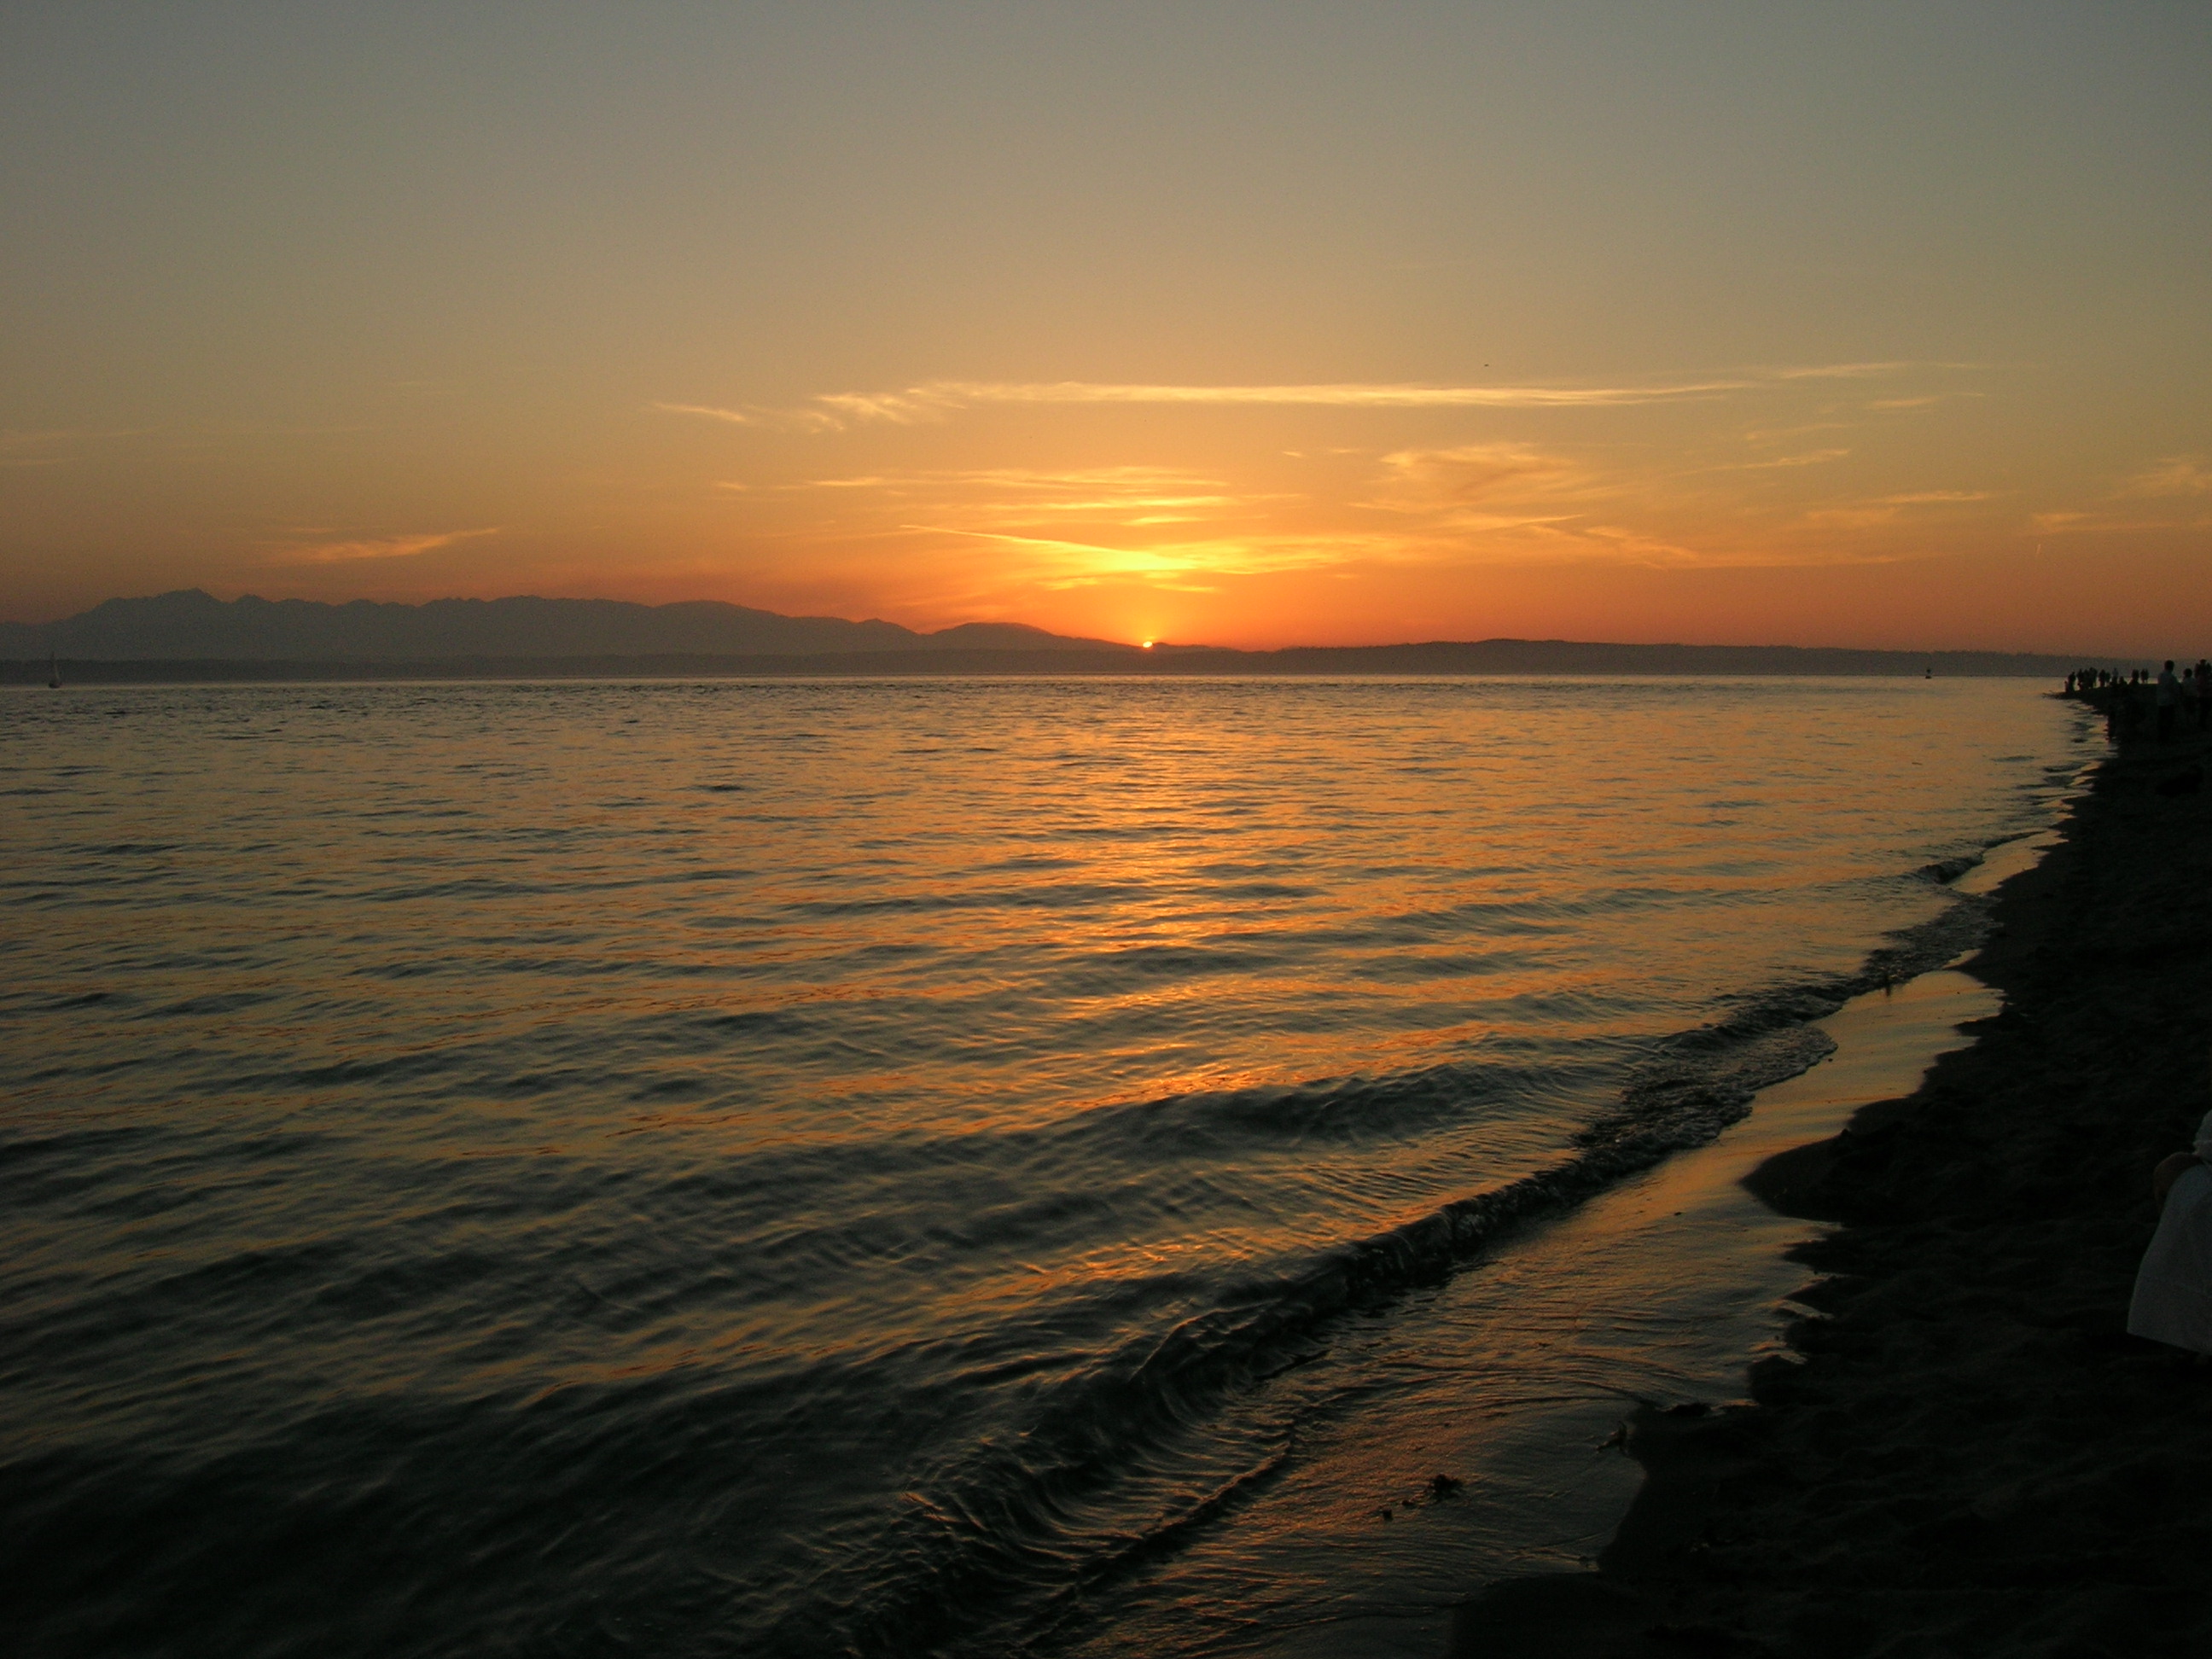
x,y
796,1168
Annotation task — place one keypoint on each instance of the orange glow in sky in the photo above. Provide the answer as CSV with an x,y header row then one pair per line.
x,y
1255,326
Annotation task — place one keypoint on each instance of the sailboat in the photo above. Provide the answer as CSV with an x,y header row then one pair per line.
x,y
54,678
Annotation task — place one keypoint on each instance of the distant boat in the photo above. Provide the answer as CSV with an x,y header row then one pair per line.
x,y
54,678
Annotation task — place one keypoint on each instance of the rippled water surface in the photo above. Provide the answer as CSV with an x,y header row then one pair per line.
x,y
797,1168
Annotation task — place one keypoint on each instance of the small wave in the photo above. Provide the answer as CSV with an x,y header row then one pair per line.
x,y
1355,1109
722,1221
941,1556
213,1002
83,1000
1062,896
1948,870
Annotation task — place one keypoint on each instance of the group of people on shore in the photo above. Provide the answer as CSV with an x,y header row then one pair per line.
x,y
2139,701
2173,1300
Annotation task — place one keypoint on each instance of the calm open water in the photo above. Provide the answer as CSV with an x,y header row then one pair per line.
x,y
825,1168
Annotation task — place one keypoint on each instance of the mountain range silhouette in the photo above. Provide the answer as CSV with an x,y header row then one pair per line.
x,y
191,635
189,625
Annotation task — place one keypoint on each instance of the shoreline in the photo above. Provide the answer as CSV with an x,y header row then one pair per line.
x,y
1964,1453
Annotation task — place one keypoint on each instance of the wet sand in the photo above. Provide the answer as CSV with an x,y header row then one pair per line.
x,y
1963,1454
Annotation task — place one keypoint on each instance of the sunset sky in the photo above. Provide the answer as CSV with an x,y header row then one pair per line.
x,y
1252,324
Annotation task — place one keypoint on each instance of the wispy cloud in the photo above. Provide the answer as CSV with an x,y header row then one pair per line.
x,y
2165,494
1424,480
1121,482
708,411
785,420
1508,501
1861,371
936,401
1849,371
1643,548
22,446
1061,562
1131,496
1332,396
1782,463
1750,494
26,438
352,549
1467,502
1775,434
1887,509
19,448
2174,475
2068,521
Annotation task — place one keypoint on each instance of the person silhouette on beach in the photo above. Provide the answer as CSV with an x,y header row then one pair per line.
x,y
2169,700
2173,1300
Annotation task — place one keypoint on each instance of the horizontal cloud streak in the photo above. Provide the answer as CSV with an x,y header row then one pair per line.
x,y
1782,463
1060,562
936,400
799,420
2174,475
932,401
1352,395
374,547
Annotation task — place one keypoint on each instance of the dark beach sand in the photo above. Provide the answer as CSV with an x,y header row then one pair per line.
x,y
1972,1457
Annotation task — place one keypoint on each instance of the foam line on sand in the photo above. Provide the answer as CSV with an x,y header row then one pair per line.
x,y
1965,1454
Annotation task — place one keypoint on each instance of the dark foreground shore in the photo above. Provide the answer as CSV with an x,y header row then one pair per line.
x,y
1972,1458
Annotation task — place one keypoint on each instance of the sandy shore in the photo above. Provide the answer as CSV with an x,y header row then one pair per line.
x,y
1968,1455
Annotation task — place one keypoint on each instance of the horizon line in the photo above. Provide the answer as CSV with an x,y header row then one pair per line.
x,y
2085,657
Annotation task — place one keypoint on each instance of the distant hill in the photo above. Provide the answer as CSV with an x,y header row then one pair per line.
x,y
1593,657
191,625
